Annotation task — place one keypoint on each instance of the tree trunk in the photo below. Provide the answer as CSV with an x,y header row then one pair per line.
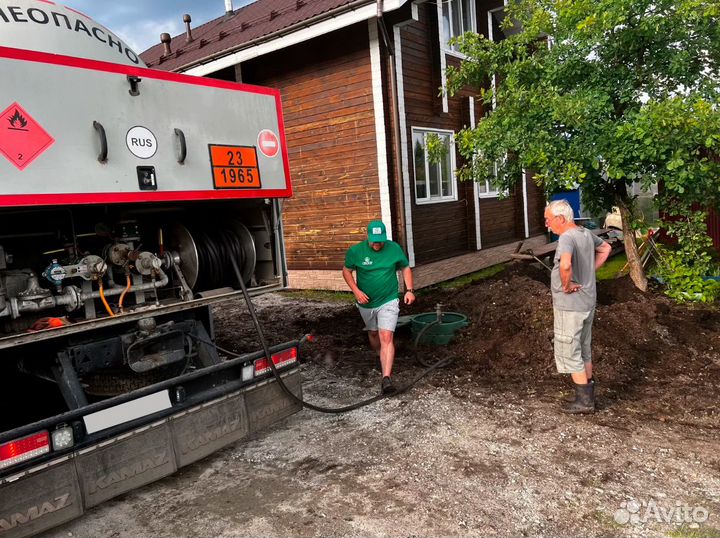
x,y
637,271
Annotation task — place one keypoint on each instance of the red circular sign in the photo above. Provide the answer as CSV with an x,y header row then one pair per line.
x,y
268,143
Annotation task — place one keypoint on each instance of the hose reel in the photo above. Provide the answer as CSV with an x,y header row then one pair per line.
x,y
204,249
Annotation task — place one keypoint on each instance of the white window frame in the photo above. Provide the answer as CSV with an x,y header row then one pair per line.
x,y
490,12
491,37
489,192
473,24
453,197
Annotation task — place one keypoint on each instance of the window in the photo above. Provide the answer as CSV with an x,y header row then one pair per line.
x,y
486,189
496,32
496,17
434,182
458,17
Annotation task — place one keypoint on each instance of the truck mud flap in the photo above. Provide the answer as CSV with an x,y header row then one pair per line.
x,y
39,501
125,464
203,430
269,403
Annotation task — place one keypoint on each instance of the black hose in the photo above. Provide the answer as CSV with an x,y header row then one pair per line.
x,y
215,244
420,357
284,387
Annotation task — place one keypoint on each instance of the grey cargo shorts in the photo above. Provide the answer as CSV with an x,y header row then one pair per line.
x,y
573,335
383,317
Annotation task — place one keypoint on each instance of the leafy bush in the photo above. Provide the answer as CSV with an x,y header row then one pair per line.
x,y
684,269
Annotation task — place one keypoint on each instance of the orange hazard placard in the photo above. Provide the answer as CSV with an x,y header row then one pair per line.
x,y
234,167
22,139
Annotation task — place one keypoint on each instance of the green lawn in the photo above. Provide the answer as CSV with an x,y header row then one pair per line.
x,y
610,270
612,267
347,297
321,295
465,280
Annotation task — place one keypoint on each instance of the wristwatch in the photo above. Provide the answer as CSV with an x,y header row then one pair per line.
x,y
410,290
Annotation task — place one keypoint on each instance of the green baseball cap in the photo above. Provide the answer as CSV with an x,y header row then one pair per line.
x,y
377,232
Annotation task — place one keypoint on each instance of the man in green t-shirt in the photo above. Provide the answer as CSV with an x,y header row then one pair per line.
x,y
376,263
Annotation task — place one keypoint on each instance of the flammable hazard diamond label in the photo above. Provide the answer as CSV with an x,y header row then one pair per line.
x,y
22,139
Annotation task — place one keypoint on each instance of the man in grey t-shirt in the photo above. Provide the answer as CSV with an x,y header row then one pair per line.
x,y
579,253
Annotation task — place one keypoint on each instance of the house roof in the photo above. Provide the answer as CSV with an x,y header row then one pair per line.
x,y
245,25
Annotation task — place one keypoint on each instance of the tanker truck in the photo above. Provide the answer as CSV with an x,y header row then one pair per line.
x,y
133,202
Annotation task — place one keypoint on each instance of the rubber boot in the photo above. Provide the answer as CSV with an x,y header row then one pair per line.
x,y
571,398
584,402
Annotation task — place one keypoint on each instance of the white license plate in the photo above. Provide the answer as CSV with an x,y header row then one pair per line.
x,y
125,412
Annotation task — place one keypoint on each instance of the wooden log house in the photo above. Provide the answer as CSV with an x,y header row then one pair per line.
x,y
360,83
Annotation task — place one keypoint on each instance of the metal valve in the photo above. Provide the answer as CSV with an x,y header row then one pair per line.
x,y
55,274
147,263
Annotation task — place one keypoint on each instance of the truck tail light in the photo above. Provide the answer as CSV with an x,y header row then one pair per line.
x,y
280,359
23,449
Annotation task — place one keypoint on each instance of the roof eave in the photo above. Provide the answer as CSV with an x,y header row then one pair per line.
x,y
214,62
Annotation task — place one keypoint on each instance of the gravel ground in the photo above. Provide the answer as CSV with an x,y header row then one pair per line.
x,y
476,449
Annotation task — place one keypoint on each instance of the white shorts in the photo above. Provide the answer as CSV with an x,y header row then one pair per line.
x,y
383,317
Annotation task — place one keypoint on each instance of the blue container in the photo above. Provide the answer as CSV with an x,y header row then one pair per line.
x,y
573,198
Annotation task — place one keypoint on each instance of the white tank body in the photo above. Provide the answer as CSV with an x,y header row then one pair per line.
x,y
45,26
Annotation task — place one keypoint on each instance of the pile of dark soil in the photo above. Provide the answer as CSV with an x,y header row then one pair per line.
x,y
659,356
646,349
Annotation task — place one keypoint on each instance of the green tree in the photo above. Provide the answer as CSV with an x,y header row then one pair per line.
x,y
621,91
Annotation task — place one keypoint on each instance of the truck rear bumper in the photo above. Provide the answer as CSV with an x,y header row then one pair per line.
x,y
62,489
